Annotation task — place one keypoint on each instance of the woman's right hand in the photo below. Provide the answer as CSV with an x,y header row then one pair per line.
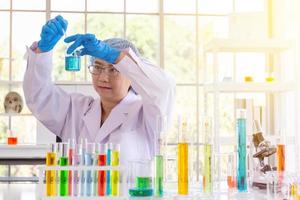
x,y
51,33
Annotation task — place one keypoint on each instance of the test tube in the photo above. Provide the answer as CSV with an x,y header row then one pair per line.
x,y
158,179
161,126
50,174
230,173
280,157
183,159
71,143
207,132
63,174
76,176
57,173
115,174
95,172
101,173
234,167
83,143
183,168
241,132
88,159
207,178
295,188
108,163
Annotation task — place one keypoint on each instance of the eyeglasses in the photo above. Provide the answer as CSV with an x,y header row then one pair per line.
x,y
99,69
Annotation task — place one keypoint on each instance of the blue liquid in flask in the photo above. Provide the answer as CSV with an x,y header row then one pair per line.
x,y
72,62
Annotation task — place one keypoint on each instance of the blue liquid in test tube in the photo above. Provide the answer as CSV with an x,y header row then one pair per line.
x,y
108,163
89,180
241,131
76,176
82,162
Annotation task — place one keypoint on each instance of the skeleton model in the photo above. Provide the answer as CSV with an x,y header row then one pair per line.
x,y
263,149
13,103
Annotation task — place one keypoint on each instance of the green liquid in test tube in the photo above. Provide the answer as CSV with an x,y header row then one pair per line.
x,y
158,180
161,126
63,174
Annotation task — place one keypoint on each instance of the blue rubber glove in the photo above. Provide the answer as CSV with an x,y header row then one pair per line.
x,y
52,31
93,47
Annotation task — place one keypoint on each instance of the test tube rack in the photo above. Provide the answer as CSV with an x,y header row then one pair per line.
x,y
41,187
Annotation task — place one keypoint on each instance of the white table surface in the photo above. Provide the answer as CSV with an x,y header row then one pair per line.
x,y
27,191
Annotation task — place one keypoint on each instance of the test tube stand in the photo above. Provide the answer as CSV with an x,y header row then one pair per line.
x,y
41,191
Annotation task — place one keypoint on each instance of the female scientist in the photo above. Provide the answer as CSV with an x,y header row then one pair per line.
x,y
132,93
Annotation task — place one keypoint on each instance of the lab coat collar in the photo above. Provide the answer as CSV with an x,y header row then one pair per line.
x,y
114,120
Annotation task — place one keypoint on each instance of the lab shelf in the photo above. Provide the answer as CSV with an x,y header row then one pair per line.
x,y
15,114
23,151
270,106
23,154
229,45
15,83
20,83
250,87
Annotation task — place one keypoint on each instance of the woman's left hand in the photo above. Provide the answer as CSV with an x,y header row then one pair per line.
x,y
93,47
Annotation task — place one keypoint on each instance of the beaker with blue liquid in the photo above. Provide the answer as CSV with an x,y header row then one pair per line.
x,y
72,61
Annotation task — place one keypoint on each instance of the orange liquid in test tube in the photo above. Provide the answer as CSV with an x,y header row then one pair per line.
x,y
280,157
230,182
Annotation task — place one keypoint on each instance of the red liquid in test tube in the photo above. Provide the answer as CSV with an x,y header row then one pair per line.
x,y
101,175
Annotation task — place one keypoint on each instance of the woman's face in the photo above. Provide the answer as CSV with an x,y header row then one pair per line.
x,y
110,84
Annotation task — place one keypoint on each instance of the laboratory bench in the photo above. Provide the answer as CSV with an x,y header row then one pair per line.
x,y
35,155
22,191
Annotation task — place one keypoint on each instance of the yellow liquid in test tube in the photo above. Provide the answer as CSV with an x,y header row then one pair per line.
x,y
183,168
115,175
295,189
207,179
51,175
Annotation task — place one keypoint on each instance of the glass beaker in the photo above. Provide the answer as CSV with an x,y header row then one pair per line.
x,y
140,178
12,139
72,61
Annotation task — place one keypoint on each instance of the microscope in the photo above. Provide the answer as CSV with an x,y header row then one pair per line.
x,y
263,149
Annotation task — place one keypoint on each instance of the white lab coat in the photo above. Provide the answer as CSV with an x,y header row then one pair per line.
x,y
131,123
